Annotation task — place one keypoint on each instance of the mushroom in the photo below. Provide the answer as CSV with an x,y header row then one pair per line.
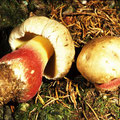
x,y
99,62
41,47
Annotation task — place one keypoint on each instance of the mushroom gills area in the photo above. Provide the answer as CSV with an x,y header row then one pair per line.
x,y
51,68
110,86
28,63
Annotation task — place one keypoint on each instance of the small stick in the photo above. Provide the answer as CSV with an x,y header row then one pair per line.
x,y
92,110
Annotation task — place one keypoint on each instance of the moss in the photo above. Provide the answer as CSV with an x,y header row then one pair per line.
x,y
11,13
104,107
51,112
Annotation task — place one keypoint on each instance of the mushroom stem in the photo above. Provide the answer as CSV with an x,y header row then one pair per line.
x,y
21,71
42,47
110,86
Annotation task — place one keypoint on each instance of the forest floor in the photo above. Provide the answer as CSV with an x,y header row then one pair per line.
x,y
72,97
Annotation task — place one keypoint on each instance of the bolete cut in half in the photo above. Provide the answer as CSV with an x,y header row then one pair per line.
x,y
99,62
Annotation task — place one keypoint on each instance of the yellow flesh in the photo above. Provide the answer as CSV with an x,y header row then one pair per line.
x,y
42,46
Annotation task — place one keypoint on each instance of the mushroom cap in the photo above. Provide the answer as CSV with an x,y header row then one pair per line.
x,y
59,36
99,59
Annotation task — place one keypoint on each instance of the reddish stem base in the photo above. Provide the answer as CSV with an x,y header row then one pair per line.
x,y
32,69
110,86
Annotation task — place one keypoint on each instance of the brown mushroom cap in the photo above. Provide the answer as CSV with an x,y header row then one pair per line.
x,y
59,36
99,59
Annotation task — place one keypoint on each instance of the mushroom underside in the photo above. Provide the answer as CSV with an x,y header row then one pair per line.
x,y
56,33
50,68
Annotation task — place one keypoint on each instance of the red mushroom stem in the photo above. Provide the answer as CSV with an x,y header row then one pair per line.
x,y
26,65
110,86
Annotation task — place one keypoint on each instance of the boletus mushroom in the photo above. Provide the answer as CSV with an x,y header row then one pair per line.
x,y
99,62
41,47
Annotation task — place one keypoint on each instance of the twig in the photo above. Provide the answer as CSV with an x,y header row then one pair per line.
x,y
61,15
84,115
51,101
92,110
